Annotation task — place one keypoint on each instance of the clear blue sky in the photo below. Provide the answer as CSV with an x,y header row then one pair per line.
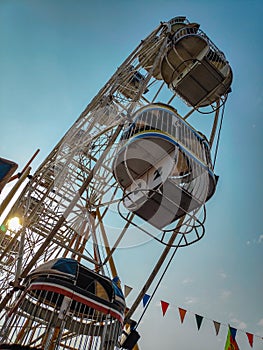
x,y
54,57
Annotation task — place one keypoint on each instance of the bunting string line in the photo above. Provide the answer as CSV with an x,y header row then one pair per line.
x,y
220,323
182,312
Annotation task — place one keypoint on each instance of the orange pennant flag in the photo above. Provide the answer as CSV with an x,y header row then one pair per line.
x,y
250,339
164,306
182,313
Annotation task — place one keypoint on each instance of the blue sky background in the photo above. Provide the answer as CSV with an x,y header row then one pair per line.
x,y
56,55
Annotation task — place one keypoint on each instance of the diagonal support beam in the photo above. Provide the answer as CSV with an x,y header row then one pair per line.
x,y
75,199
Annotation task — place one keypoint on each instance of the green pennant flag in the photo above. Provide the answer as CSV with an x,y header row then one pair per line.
x,y
199,320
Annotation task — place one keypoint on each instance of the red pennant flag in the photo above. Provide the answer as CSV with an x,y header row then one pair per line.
x,y
217,326
199,320
164,306
182,313
250,339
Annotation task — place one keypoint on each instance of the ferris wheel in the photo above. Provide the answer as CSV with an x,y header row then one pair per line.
x,y
134,157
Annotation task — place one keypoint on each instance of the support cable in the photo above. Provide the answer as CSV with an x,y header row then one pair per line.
x,y
218,136
160,280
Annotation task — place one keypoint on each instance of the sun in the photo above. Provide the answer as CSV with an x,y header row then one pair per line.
x,y
14,224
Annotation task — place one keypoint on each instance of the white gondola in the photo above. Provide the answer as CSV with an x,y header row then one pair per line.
x,y
190,64
163,166
132,81
194,67
65,305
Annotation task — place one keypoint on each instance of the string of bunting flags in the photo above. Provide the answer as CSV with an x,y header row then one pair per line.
x,y
199,318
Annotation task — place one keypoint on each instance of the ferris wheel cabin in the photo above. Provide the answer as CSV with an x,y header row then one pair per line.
x,y
163,166
64,305
192,66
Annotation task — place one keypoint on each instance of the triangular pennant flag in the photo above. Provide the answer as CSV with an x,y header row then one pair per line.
x,y
250,339
182,313
145,299
231,343
164,306
217,326
127,290
199,320
233,332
